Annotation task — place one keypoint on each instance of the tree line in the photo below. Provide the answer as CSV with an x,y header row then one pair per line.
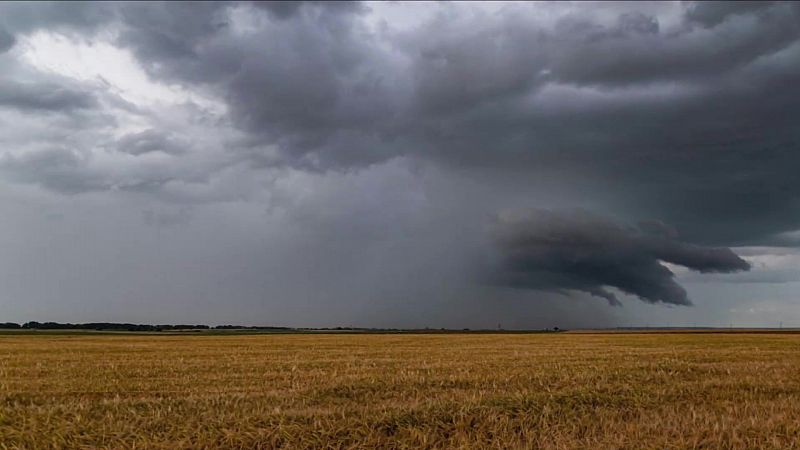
x,y
110,326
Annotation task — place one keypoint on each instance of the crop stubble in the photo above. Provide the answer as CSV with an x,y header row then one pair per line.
x,y
562,390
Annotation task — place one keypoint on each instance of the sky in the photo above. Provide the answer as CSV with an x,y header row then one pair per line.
x,y
481,165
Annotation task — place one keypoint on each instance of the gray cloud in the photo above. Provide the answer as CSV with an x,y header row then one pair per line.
x,y
159,219
150,141
710,14
44,97
61,169
76,16
559,251
692,55
6,40
284,10
171,31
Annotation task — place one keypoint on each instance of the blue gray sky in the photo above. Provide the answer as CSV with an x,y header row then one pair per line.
x,y
401,164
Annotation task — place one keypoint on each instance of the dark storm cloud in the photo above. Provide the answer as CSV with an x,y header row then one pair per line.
x,y
284,10
281,10
693,121
695,124
172,30
44,97
629,53
559,251
306,80
69,16
710,14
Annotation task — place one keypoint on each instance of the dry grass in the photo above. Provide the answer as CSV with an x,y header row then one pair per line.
x,y
400,391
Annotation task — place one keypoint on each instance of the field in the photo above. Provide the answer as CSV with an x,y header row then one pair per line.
x,y
556,390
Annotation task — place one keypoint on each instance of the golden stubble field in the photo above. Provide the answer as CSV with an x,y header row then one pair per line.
x,y
400,391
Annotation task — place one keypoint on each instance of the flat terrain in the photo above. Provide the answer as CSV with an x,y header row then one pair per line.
x,y
624,390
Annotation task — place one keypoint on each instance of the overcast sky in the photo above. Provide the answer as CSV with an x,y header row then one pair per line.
x,y
401,165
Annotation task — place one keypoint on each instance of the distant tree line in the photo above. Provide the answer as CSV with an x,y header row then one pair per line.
x,y
109,326
99,326
240,327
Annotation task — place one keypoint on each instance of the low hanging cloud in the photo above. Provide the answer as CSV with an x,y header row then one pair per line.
x,y
580,251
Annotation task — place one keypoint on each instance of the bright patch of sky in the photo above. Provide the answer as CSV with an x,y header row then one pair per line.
x,y
114,67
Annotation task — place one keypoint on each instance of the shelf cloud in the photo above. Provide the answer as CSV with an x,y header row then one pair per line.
x,y
577,250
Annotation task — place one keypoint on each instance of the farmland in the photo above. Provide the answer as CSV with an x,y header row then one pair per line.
x,y
554,390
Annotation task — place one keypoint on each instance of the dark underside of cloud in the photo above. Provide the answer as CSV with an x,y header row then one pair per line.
x,y
576,250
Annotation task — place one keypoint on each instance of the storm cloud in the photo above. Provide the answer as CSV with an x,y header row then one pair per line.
x,y
319,87
577,250
390,135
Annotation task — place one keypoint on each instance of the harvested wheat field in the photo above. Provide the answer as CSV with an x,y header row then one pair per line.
x,y
557,390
